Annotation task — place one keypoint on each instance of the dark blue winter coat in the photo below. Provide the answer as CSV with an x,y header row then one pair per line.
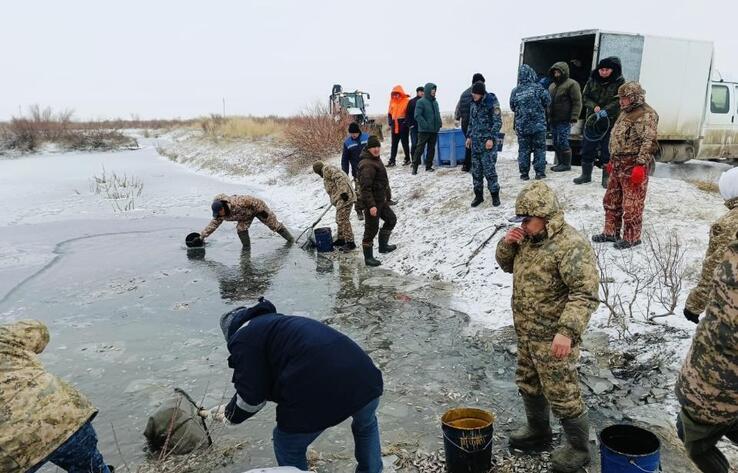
x,y
485,120
317,376
351,151
529,101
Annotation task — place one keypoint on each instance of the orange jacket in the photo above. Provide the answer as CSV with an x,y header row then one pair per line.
x,y
397,107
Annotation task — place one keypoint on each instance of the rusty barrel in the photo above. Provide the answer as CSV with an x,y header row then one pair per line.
x,y
467,440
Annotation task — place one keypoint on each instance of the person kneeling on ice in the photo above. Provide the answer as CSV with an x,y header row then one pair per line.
x,y
243,209
317,376
44,419
342,195
555,291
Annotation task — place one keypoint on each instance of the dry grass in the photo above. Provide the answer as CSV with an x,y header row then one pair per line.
x,y
313,135
251,128
706,186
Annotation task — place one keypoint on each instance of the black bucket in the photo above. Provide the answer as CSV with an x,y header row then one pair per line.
x,y
629,449
193,240
467,440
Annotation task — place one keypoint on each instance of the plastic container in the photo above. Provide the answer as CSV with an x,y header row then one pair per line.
x,y
629,449
193,240
451,147
467,440
323,239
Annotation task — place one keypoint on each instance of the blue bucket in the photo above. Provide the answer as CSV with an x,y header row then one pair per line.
x,y
323,239
629,449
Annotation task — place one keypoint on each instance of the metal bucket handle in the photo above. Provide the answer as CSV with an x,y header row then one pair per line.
x,y
474,451
632,462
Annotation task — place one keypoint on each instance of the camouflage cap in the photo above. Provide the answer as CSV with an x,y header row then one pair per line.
x,y
536,200
633,91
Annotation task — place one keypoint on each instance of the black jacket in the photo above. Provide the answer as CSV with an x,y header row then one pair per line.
x,y
463,108
410,114
317,376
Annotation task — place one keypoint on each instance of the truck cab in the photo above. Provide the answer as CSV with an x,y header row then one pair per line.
x,y
719,139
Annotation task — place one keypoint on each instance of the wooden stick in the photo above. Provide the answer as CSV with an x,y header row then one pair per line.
x,y
481,246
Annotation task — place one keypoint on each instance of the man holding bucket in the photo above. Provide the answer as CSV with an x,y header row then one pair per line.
x,y
707,387
555,291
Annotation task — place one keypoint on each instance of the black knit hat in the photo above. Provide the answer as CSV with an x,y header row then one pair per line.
x,y
607,62
420,89
477,77
354,128
479,88
373,142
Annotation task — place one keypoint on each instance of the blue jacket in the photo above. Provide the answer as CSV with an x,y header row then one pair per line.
x,y
529,101
485,120
351,151
317,376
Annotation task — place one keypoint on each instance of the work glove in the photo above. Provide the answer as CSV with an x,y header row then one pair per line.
x,y
602,113
608,167
691,316
638,175
216,413
344,196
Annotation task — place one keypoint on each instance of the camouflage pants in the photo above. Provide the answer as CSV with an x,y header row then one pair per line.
x,y
343,221
700,441
624,204
357,188
539,373
536,144
484,166
79,454
265,216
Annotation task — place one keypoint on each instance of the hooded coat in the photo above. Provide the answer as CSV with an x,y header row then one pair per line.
x,y
427,113
38,411
555,279
603,93
397,111
566,96
317,376
529,101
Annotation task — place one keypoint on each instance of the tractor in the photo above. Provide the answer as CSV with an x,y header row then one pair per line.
x,y
353,104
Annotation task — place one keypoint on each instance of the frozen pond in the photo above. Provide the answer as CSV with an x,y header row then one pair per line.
x,y
132,314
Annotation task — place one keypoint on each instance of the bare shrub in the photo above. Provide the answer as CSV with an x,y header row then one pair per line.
x,y
666,261
705,186
313,135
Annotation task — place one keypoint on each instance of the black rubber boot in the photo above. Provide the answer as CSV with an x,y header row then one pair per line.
x,y
574,454
540,175
586,174
536,435
415,169
478,198
605,178
605,238
495,199
284,233
625,244
369,257
349,246
245,239
564,162
339,242
384,246
524,177
466,166
712,460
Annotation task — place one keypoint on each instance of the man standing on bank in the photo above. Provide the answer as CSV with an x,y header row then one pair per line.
x,y
428,119
375,195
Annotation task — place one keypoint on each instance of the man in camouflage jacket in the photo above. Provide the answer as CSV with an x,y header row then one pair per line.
x,y
339,189
722,233
42,418
555,291
632,147
243,209
707,387
485,121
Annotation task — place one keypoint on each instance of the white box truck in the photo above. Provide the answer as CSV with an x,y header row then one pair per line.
x,y
698,111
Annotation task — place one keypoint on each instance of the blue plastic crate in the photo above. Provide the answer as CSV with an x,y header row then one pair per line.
x,y
451,147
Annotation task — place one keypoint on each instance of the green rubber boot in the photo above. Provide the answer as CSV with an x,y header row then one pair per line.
x,y
536,435
574,454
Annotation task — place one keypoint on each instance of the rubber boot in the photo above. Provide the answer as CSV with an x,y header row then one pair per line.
x,y
712,460
349,246
574,454
384,246
564,162
586,174
605,178
495,199
415,169
245,239
339,242
369,257
284,233
478,198
536,435
605,238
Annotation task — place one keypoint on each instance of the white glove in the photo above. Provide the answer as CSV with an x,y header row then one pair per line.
x,y
216,413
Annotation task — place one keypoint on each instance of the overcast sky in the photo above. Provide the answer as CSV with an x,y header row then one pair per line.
x,y
161,59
